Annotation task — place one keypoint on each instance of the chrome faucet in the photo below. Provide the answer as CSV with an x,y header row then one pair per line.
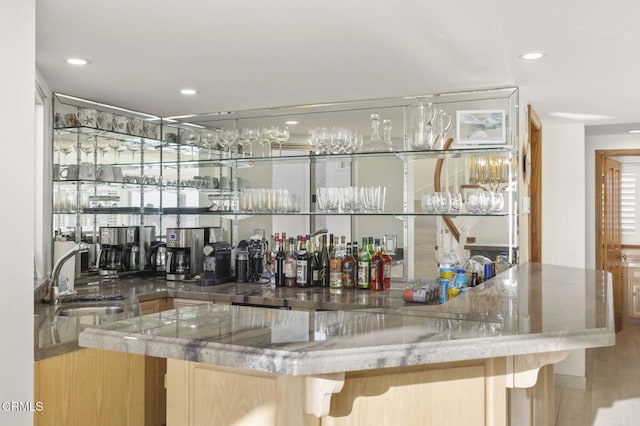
x,y
53,294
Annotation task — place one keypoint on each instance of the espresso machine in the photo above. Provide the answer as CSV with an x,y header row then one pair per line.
x,y
217,259
184,252
122,248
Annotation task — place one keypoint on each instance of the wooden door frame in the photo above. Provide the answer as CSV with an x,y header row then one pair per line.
x,y
535,185
599,156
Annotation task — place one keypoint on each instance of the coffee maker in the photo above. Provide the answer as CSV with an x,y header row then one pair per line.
x,y
184,252
158,258
217,259
122,248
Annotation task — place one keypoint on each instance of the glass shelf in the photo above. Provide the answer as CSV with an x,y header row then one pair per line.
x,y
241,162
122,210
108,134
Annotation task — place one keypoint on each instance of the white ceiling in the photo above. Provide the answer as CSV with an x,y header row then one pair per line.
x,y
241,54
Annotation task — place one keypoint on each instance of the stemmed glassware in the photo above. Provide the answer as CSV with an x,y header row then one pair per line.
x,y
103,147
65,146
86,146
209,139
116,146
134,147
265,140
248,135
281,136
189,137
228,138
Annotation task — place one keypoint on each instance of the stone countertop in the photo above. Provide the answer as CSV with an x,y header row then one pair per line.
x,y
528,309
56,335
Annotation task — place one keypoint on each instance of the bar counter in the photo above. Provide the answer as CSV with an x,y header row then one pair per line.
x,y
494,337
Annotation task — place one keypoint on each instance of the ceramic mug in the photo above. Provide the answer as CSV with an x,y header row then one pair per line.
x,y
86,171
105,121
106,174
119,124
225,183
150,130
87,117
135,127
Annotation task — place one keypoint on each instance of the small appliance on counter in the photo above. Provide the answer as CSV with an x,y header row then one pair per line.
x,y
250,260
184,253
122,248
158,258
217,264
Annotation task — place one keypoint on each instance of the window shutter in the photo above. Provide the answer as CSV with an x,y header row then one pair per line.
x,y
629,206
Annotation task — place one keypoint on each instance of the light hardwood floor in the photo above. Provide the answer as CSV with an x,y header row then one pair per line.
x,y
612,396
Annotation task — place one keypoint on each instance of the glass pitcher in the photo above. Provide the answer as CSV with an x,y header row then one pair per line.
x,y
439,129
420,122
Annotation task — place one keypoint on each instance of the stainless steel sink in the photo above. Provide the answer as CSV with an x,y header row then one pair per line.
x,y
90,310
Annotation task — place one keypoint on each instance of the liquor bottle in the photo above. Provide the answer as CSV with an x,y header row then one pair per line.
x,y
290,266
387,267
314,264
335,268
331,241
349,269
279,269
311,250
363,266
377,268
272,261
370,247
324,263
302,265
355,253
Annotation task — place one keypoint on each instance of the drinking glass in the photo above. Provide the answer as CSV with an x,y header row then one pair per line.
x,y
65,146
102,145
228,138
281,135
209,139
265,139
134,147
428,203
86,146
420,122
248,136
116,146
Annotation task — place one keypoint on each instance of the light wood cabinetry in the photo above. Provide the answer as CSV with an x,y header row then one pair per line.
x,y
92,387
633,283
469,393
156,305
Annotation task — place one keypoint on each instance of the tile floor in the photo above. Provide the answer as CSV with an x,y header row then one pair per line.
x,y
612,397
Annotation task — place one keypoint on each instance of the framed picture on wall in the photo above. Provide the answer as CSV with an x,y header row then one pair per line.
x,y
481,127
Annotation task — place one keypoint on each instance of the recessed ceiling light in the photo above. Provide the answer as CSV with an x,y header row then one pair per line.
x,y
634,131
77,61
188,92
291,122
532,56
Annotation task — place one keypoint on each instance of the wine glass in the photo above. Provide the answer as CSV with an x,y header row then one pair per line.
x,y
265,139
65,146
281,135
116,146
248,135
102,145
189,137
86,146
133,147
209,139
228,137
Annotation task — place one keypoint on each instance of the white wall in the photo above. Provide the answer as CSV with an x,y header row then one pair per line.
x,y
593,143
17,45
563,194
563,214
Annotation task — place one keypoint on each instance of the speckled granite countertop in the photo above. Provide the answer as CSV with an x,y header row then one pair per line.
x,y
528,309
55,334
